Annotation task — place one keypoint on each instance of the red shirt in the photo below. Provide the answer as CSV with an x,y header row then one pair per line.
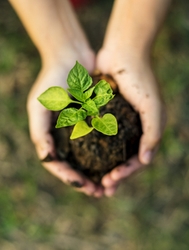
x,y
79,3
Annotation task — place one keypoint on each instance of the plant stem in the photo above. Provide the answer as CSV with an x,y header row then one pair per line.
x,y
76,102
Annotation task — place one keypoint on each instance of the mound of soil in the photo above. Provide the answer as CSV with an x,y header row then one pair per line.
x,y
96,154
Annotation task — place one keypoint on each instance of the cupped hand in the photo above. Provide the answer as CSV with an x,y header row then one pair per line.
x,y
40,123
138,85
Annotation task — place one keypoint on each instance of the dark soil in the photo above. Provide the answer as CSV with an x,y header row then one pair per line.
x,y
96,154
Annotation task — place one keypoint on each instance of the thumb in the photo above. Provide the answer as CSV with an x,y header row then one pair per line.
x,y
153,119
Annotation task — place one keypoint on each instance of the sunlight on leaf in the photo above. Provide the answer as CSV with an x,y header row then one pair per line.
x,y
106,125
80,129
55,98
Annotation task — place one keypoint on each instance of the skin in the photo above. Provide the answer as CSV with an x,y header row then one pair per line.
x,y
125,55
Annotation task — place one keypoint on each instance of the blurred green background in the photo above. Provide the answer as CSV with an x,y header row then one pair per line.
x,y
150,210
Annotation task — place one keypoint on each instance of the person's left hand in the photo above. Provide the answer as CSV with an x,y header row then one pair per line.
x,y
41,121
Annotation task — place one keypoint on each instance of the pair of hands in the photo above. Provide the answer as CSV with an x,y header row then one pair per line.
x,y
136,83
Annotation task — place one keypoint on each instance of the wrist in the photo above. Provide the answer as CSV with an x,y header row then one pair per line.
x,y
133,26
66,57
113,60
131,45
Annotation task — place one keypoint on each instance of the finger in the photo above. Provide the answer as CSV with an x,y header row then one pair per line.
x,y
40,124
99,192
110,185
127,169
45,148
66,174
153,119
107,181
91,189
110,191
112,180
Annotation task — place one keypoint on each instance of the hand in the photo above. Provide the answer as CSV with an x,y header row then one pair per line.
x,y
40,122
139,87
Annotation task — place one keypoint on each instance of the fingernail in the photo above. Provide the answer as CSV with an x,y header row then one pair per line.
x,y
48,158
76,184
147,157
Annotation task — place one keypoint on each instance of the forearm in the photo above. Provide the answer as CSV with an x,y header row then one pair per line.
x,y
134,24
53,27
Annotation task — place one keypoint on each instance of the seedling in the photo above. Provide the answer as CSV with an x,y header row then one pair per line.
x,y
87,98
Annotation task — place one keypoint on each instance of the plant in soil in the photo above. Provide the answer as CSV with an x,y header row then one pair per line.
x,y
94,107
89,99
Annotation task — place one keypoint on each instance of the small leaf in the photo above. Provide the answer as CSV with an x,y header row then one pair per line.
x,y
55,98
70,116
79,78
106,125
88,93
77,94
103,87
80,129
103,93
102,99
91,107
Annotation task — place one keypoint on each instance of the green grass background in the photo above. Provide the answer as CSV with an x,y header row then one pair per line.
x,y
150,210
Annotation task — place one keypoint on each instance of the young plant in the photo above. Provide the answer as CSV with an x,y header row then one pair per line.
x,y
88,98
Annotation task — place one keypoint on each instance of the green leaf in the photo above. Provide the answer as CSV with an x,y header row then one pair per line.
x,y
77,94
91,107
79,78
103,92
106,125
70,116
80,129
55,98
88,93
102,99
103,87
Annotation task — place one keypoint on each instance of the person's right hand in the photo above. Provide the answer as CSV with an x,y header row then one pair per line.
x,y
138,85
40,123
